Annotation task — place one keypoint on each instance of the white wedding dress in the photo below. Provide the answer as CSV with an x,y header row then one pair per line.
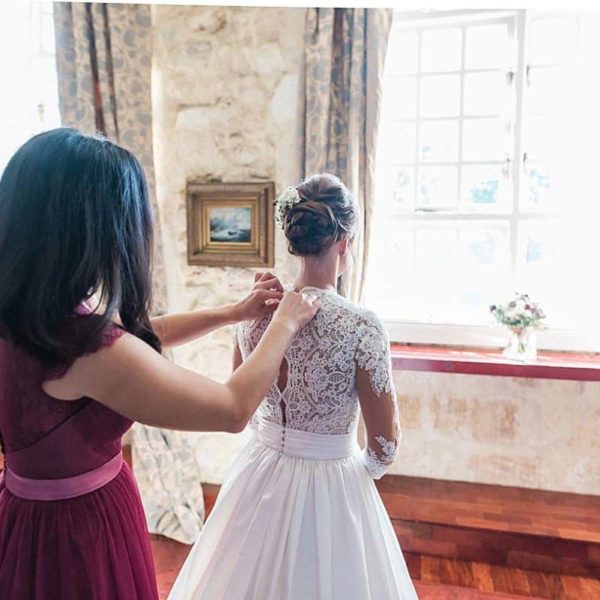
x,y
299,517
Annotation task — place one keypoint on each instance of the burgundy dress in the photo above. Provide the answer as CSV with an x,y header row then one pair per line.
x,y
93,546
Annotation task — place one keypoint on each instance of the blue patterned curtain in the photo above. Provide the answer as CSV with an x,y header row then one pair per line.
x,y
344,58
104,61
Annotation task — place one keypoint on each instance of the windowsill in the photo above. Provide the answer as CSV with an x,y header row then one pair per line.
x,y
488,338
441,359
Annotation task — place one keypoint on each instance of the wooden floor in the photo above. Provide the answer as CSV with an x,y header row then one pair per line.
x,y
486,578
513,527
492,507
169,555
435,578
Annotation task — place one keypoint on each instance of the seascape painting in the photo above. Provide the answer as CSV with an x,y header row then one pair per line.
x,y
231,224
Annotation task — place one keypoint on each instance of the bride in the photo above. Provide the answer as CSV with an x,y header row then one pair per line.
x,y
299,517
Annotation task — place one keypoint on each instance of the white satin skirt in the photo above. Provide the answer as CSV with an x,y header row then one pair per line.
x,y
298,518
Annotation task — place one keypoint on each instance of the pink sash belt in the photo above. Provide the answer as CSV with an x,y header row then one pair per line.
x,y
62,489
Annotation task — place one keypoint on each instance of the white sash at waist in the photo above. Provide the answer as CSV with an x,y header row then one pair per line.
x,y
303,444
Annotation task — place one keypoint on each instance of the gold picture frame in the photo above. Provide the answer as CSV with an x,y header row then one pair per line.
x,y
230,224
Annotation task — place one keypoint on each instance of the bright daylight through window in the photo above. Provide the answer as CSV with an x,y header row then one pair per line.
x,y
29,99
488,174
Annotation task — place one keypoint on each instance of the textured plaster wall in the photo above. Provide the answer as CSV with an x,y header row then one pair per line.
x,y
526,432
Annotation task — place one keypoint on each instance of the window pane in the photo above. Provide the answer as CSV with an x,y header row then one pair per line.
x,y
398,247
553,266
395,247
558,184
486,94
403,187
561,123
426,266
483,187
487,47
441,50
43,72
436,248
435,269
553,40
403,53
539,138
484,247
483,257
538,188
47,32
484,139
589,40
438,141
400,97
539,251
450,272
440,95
550,90
398,142
29,81
437,187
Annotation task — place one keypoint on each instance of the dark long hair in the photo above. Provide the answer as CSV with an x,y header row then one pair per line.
x,y
74,220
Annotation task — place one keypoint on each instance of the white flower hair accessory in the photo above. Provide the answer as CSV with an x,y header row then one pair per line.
x,y
288,198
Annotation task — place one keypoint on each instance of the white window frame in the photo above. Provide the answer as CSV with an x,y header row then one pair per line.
x,y
489,336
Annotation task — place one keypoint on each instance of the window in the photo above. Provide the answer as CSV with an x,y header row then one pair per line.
x,y
29,99
486,174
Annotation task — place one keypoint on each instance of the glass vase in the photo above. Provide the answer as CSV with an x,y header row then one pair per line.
x,y
522,344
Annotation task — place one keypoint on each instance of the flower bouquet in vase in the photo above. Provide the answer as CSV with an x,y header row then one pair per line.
x,y
523,318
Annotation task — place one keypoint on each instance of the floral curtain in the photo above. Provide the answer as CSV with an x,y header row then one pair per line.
x,y
104,61
344,57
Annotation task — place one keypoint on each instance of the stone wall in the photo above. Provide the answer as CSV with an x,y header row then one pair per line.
x,y
227,105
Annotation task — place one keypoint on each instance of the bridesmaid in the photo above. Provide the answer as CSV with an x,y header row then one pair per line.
x,y
80,361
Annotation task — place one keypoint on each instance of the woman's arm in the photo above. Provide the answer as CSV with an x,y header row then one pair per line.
x,y
134,380
237,357
181,328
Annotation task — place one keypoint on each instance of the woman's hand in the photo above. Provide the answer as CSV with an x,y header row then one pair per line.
x,y
262,300
295,310
181,328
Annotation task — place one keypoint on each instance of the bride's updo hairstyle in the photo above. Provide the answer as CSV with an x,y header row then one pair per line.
x,y
327,212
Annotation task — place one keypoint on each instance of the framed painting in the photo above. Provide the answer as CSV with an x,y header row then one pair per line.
x,y
231,224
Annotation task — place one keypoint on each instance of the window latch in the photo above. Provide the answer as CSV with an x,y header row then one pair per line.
x,y
506,167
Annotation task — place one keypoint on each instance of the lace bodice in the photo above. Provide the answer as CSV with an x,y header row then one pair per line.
x,y
324,366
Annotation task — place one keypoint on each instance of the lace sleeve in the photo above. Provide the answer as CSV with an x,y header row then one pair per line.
x,y
377,397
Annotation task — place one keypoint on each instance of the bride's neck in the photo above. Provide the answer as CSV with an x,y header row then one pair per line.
x,y
317,271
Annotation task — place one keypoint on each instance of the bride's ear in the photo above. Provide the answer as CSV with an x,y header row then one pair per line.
x,y
344,246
